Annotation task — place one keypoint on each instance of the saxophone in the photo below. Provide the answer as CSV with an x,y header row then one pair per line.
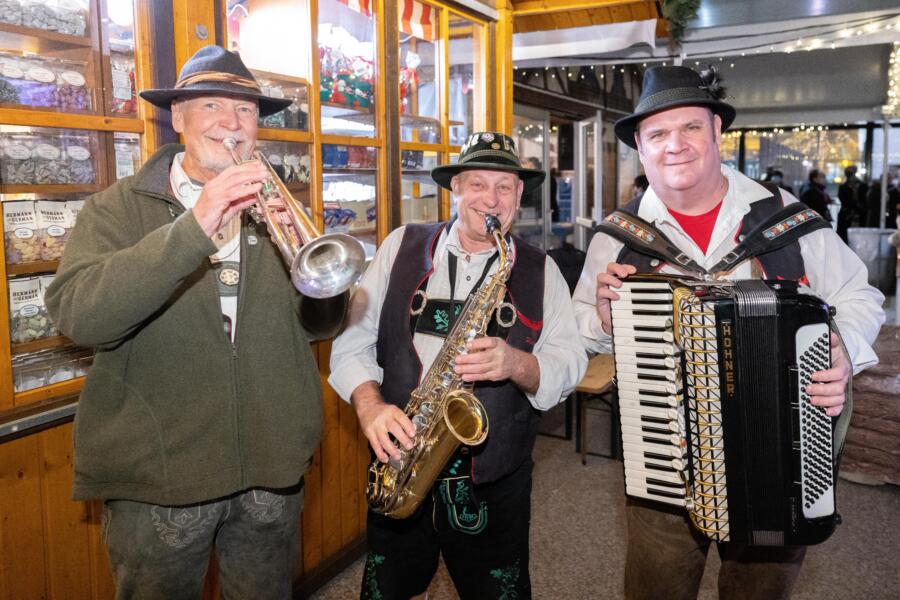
x,y
443,408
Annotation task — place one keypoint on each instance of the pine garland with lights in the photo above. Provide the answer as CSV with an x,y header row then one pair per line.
x,y
679,13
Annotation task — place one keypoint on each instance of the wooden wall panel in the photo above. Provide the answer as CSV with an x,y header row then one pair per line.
x,y
102,585
23,570
66,523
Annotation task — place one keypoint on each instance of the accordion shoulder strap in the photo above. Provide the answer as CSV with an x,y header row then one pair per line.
x,y
642,237
782,228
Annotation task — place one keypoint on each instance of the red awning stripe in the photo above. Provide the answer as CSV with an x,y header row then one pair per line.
x,y
417,19
363,7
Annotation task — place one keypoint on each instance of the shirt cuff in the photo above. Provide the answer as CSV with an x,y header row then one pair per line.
x,y
347,378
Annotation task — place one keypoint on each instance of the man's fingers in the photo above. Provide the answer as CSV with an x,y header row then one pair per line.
x,y
620,270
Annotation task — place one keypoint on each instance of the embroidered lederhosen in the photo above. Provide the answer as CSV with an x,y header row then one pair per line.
x,y
513,421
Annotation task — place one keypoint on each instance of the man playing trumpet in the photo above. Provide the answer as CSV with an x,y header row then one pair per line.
x,y
477,513
203,407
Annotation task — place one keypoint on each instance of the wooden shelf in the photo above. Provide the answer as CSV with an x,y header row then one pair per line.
x,y
56,341
88,188
38,266
260,74
358,112
38,41
48,392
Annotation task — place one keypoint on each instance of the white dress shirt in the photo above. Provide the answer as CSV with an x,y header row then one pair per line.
x,y
558,350
835,273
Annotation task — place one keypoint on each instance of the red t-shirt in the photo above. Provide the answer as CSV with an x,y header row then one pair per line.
x,y
699,227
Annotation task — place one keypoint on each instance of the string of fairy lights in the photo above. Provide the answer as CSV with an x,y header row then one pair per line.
x,y
828,39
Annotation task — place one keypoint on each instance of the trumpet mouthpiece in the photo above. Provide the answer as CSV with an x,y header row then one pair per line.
x,y
229,144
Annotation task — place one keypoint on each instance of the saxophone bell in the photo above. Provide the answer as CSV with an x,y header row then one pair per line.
x,y
321,266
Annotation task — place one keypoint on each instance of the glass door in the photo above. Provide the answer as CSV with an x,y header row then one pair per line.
x,y
588,175
530,132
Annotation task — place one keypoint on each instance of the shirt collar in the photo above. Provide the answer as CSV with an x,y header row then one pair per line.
x,y
742,192
186,189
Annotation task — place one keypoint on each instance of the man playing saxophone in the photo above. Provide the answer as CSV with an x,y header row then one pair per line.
x,y
477,514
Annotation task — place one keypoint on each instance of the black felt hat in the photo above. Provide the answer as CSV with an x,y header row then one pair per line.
x,y
492,151
671,87
213,71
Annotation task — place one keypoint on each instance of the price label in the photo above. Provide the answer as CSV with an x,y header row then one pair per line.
x,y
18,151
41,74
73,78
121,84
78,152
124,163
47,151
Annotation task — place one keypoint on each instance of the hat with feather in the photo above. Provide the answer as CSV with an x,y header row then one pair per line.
x,y
671,87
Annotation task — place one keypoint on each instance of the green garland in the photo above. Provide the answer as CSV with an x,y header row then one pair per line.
x,y
678,13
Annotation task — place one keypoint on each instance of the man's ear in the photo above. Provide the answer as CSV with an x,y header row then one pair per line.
x,y
177,116
717,129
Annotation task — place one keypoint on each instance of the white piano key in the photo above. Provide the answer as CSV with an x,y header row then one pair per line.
x,y
639,436
641,473
636,456
658,385
664,428
669,414
629,347
663,286
645,492
666,374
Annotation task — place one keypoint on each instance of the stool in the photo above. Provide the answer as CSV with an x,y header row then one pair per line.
x,y
596,392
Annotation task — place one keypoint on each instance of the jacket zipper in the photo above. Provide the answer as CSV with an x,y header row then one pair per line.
x,y
242,269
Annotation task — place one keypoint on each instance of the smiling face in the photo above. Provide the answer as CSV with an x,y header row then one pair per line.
x,y
480,192
205,122
679,149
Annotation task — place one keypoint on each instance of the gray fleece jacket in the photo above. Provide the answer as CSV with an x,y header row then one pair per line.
x,y
172,411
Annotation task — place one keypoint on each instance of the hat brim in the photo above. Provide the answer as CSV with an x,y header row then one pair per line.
x,y
163,97
626,126
531,178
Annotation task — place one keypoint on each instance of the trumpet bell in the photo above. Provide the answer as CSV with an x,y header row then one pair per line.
x,y
328,265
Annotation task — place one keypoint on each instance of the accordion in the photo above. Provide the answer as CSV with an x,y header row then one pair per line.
x,y
714,415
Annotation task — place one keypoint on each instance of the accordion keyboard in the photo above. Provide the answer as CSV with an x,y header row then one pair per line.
x,y
649,379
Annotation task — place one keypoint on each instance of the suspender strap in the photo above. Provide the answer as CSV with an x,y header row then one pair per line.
x,y
644,238
781,229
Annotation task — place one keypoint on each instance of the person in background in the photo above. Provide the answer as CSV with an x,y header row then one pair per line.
x,y
777,177
204,406
701,205
640,187
815,195
478,512
852,195
873,202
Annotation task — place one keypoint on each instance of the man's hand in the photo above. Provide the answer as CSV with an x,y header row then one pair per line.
x,y
492,359
828,386
613,277
379,420
227,194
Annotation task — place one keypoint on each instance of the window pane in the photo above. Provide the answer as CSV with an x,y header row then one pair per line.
x,y
420,89
466,64
420,192
270,39
347,67
349,191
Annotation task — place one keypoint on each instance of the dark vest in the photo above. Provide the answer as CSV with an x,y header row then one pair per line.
x,y
512,421
784,263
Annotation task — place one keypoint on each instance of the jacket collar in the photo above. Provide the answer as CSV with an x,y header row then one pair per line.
x,y
153,178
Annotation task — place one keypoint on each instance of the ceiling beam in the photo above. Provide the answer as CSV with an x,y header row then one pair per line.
x,y
543,7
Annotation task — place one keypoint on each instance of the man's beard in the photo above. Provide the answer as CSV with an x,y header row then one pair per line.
x,y
215,164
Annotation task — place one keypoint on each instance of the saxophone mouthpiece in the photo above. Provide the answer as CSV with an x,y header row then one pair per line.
x,y
229,144
491,223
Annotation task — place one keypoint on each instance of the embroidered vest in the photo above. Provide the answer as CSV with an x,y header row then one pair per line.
x,y
512,420
784,263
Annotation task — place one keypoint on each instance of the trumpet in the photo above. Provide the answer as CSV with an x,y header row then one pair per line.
x,y
321,266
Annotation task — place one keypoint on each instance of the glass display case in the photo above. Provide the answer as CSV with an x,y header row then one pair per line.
x,y
466,75
347,68
272,38
349,192
75,58
420,193
420,85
